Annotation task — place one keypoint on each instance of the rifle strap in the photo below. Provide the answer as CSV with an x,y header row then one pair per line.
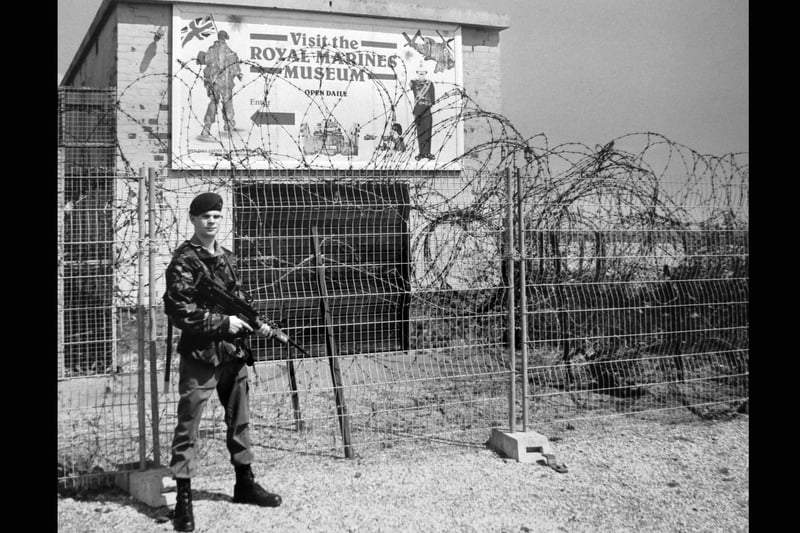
x,y
169,354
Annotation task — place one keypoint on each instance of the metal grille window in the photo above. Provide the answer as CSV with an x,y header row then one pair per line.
x,y
87,129
362,229
86,138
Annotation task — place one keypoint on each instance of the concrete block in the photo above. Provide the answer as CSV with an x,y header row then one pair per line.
x,y
524,446
147,486
169,491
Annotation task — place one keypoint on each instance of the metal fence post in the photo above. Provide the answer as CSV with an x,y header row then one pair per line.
x,y
151,223
512,354
140,322
523,301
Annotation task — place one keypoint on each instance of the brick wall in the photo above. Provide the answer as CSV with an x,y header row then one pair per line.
x,y
481,57
143,50
143,85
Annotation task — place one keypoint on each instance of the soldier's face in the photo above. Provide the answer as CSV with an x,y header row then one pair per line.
x,y
206,224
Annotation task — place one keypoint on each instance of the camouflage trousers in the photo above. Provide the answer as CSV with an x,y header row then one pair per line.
x,y
211,112
198,380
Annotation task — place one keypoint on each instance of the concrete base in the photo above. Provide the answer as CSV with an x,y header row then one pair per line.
x,y
524,446
149,486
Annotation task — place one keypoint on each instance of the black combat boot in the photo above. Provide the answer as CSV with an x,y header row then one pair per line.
x,y
247,490
184,517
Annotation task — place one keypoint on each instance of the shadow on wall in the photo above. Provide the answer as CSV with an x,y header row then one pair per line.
x,y
150,52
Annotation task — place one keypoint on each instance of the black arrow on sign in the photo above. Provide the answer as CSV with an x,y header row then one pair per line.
x,y
269,118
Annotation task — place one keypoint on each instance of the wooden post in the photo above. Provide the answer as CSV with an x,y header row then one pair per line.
x,y
299,424
523,301
140,314
512,354
405,267
151,223
330,345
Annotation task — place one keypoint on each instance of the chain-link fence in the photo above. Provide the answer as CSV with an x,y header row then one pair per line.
x,y
405,290
636,286
416,357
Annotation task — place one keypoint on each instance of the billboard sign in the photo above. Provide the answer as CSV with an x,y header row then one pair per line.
x,y
281,90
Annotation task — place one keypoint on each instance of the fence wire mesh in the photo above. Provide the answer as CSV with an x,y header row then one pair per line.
x,y
633,259
637,283
97,369
417,357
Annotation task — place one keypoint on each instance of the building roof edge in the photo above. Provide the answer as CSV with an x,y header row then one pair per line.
x,y
363,8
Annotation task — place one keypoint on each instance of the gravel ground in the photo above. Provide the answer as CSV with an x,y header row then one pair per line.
x,y
625,474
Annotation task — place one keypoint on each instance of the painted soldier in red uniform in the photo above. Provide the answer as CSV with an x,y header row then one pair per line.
x,y
424,96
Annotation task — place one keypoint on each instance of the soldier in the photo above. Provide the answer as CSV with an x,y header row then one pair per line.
x,y
211,357
424,96
222,67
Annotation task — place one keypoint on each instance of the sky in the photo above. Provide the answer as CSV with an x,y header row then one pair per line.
x,y
589,71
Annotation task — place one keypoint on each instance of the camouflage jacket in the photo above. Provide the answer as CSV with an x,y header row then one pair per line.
x,y
204,330
222,66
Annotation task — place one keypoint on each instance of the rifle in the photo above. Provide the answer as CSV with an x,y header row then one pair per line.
x,y
216,293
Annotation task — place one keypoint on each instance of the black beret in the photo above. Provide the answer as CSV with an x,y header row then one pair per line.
x,y
208,201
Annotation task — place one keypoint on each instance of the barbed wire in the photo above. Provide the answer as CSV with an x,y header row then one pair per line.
x,y
636,182
637,251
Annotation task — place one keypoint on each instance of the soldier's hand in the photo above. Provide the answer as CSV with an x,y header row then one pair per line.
x,y
237,324
266,331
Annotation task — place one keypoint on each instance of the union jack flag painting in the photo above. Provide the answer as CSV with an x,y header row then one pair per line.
x,y
199,28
